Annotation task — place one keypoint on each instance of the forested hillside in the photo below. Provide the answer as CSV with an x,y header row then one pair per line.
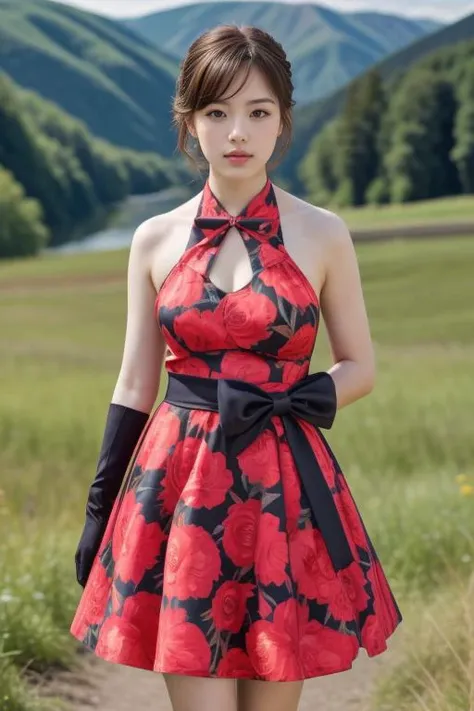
x,y
310,119
411,139
94,68
56,179
327,48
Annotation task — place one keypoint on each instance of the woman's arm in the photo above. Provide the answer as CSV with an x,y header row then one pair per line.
x,y
139,377
133,397
345,317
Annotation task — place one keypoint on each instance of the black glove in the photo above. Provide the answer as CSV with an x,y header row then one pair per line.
x,y
123,428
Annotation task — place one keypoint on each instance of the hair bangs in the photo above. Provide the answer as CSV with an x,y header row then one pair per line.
x,y
219,75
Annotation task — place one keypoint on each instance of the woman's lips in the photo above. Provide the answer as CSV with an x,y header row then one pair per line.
x,y
238,159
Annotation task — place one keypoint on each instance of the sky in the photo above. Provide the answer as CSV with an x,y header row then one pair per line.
x,y
445,10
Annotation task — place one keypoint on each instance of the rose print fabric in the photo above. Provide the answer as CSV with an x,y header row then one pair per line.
x,y
212,566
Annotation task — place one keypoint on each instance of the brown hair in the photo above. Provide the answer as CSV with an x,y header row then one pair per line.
x,y
211,63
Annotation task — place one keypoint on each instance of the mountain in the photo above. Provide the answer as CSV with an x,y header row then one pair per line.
x,y
382,22
326,48
430,25
310,119
94,68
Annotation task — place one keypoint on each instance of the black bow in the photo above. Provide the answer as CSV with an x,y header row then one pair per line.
x,y
249,224
246,409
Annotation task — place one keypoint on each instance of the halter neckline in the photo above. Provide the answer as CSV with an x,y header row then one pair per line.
x,y
211,206
260,218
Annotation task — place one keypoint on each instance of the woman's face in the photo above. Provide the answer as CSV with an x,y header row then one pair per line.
x,y
250,121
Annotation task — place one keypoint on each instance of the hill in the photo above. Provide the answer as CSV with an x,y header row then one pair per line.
x,y
326,48
94,68
310,119
57,181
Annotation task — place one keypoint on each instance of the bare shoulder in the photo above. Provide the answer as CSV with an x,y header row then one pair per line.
x,y
148,234
316,221
161,240
156,230
315,238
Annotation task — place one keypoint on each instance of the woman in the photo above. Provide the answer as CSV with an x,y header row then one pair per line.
x,y
234,548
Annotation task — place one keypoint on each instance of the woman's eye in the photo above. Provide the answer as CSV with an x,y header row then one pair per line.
x,y
218,111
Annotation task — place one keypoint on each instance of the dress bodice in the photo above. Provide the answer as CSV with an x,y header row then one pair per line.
x,y
263,332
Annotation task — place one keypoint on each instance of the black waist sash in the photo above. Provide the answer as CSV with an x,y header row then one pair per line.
x,y
246,410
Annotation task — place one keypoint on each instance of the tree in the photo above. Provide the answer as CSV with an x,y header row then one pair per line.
x,y
463,151
318,171
22,232
419,163
358,155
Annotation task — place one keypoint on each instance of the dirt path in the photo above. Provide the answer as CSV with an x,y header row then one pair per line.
x,y
112,687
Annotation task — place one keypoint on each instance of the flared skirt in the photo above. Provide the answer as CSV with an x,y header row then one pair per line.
x,y
215,566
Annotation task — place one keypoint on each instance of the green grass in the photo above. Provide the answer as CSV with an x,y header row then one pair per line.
x,y
448,210
401,448
433,670
55,266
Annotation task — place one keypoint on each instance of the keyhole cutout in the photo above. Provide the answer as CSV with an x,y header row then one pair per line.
x,y
231,268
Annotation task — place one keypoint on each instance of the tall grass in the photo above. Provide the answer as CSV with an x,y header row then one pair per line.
x,y
434,670
404,449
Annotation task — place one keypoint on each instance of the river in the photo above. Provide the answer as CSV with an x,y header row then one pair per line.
x,y
126,218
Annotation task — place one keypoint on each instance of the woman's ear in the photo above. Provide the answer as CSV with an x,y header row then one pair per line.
x,y
190,127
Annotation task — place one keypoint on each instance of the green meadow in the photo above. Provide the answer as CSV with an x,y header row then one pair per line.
x,y
446,210
407,450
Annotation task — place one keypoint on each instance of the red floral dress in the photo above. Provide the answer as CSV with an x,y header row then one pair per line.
x,y
216,567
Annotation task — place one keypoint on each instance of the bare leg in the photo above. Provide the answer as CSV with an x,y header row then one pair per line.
x,y
195,693
256,695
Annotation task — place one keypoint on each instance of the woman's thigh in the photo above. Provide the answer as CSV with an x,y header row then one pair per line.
x,y
255,695
195,693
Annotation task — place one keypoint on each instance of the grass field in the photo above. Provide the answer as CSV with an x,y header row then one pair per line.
x,y
450,211
407,450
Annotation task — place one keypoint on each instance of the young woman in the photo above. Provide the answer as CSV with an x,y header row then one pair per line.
x,y
233,559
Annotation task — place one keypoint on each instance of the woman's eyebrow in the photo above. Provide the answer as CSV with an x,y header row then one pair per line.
x,y
264,100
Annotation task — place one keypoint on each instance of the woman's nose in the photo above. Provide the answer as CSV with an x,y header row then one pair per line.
x,y
238,133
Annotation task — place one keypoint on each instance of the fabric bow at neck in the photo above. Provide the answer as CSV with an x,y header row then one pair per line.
x,y
259,218
223,224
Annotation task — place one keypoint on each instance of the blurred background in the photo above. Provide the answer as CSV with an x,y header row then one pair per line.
x,y
383,135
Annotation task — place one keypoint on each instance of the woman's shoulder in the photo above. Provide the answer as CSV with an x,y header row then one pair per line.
x,y
159,241
161,227
312,218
